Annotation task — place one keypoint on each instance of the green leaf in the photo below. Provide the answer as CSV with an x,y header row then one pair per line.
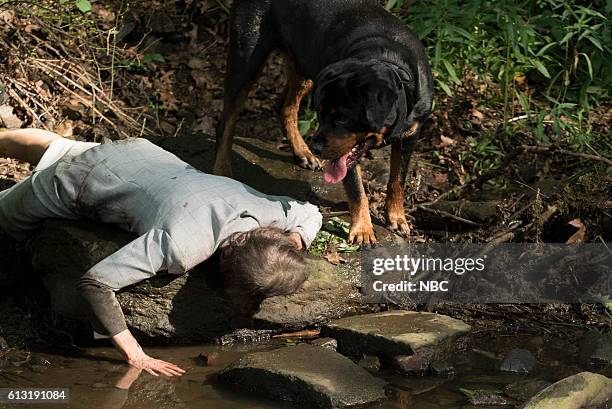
x,y
595,42
567,37
84,6
589,65
304,127
545,48
541,68
523,101
150,58
445,88
391,4
451,72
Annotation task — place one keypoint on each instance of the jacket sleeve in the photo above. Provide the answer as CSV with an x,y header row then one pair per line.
x,y
136,261
303,218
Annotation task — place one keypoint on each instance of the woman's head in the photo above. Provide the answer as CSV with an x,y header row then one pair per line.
x,y
261,263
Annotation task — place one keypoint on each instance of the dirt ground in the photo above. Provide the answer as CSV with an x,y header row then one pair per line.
x,y
156,70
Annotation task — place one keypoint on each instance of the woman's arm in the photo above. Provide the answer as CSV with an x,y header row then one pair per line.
x,y
304,219
136,261
135,356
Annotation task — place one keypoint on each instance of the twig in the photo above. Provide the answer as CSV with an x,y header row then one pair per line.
x,y
447,214
335,214
26,107
309,333
178,129
549,150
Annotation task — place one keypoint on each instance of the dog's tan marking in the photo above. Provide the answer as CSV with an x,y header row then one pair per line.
x,y
412,130
361,230
297,88
394,205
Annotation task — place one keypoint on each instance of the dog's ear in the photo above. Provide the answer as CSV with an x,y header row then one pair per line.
x,y
380,106
331,80
378,89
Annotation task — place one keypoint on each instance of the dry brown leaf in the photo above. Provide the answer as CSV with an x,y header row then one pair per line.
x,y
579,236
65,129
333,257
446,141
439,179
477,114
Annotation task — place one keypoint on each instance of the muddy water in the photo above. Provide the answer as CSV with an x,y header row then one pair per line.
x,y
94,375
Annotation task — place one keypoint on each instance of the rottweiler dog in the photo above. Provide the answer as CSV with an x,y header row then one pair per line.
x,y
371,81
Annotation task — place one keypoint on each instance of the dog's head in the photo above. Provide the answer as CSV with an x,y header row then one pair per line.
x,y
361,105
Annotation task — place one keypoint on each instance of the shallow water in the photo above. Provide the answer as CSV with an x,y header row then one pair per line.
x,y
92,376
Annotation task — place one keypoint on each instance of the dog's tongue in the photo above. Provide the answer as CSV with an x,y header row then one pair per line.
x,y
335,170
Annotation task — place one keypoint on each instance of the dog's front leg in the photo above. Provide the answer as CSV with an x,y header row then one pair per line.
x,y
361,231
297,88
394,207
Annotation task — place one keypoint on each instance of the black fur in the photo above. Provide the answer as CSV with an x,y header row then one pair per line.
x,y
370,72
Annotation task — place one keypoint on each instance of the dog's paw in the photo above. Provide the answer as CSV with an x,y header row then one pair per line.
x,y
362,233
307,160
399,225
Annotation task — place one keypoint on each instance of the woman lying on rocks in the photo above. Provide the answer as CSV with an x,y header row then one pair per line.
x,y
182,216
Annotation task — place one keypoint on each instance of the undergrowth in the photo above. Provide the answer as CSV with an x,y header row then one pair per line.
x,y
548,59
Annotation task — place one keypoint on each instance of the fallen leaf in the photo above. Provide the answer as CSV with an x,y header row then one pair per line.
x,y
31,27
577,237
520,79
439,179
65,129
334,258
446,141
477,114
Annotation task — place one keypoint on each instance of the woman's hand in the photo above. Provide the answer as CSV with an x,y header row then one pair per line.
x,y
155,366
136,357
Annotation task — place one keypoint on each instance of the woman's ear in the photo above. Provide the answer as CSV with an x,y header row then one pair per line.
x,y
296,239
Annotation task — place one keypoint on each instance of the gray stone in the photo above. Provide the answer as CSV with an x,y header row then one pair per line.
x,y
402,334
411,364
8,119
583,390
370,363
519,361
180,309
442,368
305,376
597,349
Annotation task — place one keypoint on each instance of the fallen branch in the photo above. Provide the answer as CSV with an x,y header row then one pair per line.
x,y
446,214
308,333
550,150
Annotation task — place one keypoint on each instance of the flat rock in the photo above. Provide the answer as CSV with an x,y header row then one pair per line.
x,y
397,333
583,390
519,361
305,376
179,309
